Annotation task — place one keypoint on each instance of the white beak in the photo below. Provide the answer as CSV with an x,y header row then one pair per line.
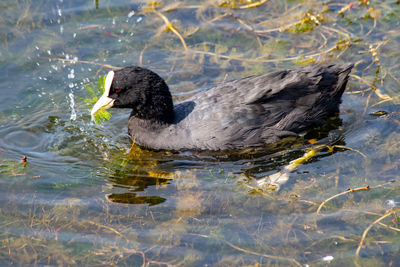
x,y
104,101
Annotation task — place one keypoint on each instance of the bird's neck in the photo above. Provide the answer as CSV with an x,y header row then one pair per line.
x,y
152,121
144,131
156,114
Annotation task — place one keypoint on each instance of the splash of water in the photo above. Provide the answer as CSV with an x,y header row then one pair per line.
x,y
72,106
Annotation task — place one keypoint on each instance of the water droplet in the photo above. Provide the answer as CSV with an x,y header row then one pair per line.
x,y
71,75
72,106
131,13
390,203
328,258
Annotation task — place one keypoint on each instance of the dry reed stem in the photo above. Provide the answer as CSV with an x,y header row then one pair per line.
x,y
371,87
366,188
280,258
278,29
256,4
359,91
170,27
379,103
261,59
389,227
108,228
263,255
349,148
387,214
336,31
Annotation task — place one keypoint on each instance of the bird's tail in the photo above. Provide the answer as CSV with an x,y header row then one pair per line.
x,y
343,76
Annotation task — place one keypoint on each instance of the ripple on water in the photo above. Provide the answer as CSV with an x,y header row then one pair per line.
x,y
22,139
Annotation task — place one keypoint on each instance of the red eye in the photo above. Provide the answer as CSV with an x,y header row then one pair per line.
x,y
118,90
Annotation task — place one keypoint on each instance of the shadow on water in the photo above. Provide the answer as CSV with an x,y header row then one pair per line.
x,y
132,198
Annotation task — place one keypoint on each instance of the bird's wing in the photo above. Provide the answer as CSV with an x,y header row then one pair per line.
x,y
263,109
282,85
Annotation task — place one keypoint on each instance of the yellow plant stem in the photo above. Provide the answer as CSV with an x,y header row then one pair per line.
x,y
350,190
253,4
170,27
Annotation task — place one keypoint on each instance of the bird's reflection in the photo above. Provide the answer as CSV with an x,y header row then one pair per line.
x,y
141,168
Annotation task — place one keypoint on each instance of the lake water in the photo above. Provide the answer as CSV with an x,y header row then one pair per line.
x,y
84,196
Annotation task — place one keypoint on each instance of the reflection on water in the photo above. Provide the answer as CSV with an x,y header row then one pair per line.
x,y
132,198
86,196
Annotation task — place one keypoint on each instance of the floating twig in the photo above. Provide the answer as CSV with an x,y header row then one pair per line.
x,y
348,148
350,190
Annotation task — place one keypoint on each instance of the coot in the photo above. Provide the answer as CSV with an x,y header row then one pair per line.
x,y
247,112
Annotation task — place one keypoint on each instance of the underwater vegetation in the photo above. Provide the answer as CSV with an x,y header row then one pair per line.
x,y
87,195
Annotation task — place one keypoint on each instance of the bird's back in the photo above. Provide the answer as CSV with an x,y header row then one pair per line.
x,y
254,111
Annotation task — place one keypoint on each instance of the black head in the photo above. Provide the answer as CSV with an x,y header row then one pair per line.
x,y
144,92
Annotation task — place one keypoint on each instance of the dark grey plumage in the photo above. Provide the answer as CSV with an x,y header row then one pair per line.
x,y
249,112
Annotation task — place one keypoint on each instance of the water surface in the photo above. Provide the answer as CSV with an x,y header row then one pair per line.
x,y
87,197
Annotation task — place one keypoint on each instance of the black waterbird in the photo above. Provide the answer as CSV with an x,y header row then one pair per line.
x,y
247,112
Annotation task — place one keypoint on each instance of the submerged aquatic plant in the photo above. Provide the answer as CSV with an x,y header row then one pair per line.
x,y
94,93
